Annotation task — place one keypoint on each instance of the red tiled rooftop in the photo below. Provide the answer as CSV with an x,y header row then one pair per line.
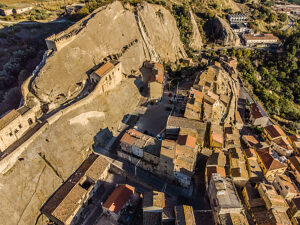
x,y
128,139
187,140
250,139
295,137
268,160
118,198
104,69
215,169
217,137
250,152
274,131
255,111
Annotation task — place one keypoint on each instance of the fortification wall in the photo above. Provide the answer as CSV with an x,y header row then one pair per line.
x,y
9,161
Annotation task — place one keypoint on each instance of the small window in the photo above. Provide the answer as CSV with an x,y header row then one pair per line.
x,y
10,134
20,126
86,183
16,131
30,121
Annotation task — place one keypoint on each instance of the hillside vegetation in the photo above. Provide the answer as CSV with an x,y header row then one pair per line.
x,y
274,77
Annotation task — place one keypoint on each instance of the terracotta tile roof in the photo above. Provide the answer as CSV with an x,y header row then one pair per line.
x,y
187,140
127,139
69,204
215,169
255,111
283,142
295,161
249,37
250,139
197,94
295,138
168,148
8,118
68,197
238,117
286,181
296,202
181,122
217,137
118,198
104,69
275,131
268,160
250,152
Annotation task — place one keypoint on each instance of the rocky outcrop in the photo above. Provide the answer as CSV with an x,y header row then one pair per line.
x,y
222,31
111,32
55,154
161,28
195,39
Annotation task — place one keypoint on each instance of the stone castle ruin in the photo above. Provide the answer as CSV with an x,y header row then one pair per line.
x,y
57,41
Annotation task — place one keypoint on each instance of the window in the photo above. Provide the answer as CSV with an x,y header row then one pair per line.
x,y
20,126
10,134
30,121
86,183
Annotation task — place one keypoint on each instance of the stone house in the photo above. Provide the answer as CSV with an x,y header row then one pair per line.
x,y
153,205
223,197
257,116
216,139
282,146
14,124
156,82
294,140
141,149
215,164
272,132
166,161
237,167
265,39
107,76
185,159
294,167
120,198
255,173
255,205
294,210
285,187
250,141
65,206
269,165
271,198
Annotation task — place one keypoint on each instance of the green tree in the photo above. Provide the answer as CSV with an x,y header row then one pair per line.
x,y
282,17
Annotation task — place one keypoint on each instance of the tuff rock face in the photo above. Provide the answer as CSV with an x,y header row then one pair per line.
x,y
111,32
195,39
223,32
